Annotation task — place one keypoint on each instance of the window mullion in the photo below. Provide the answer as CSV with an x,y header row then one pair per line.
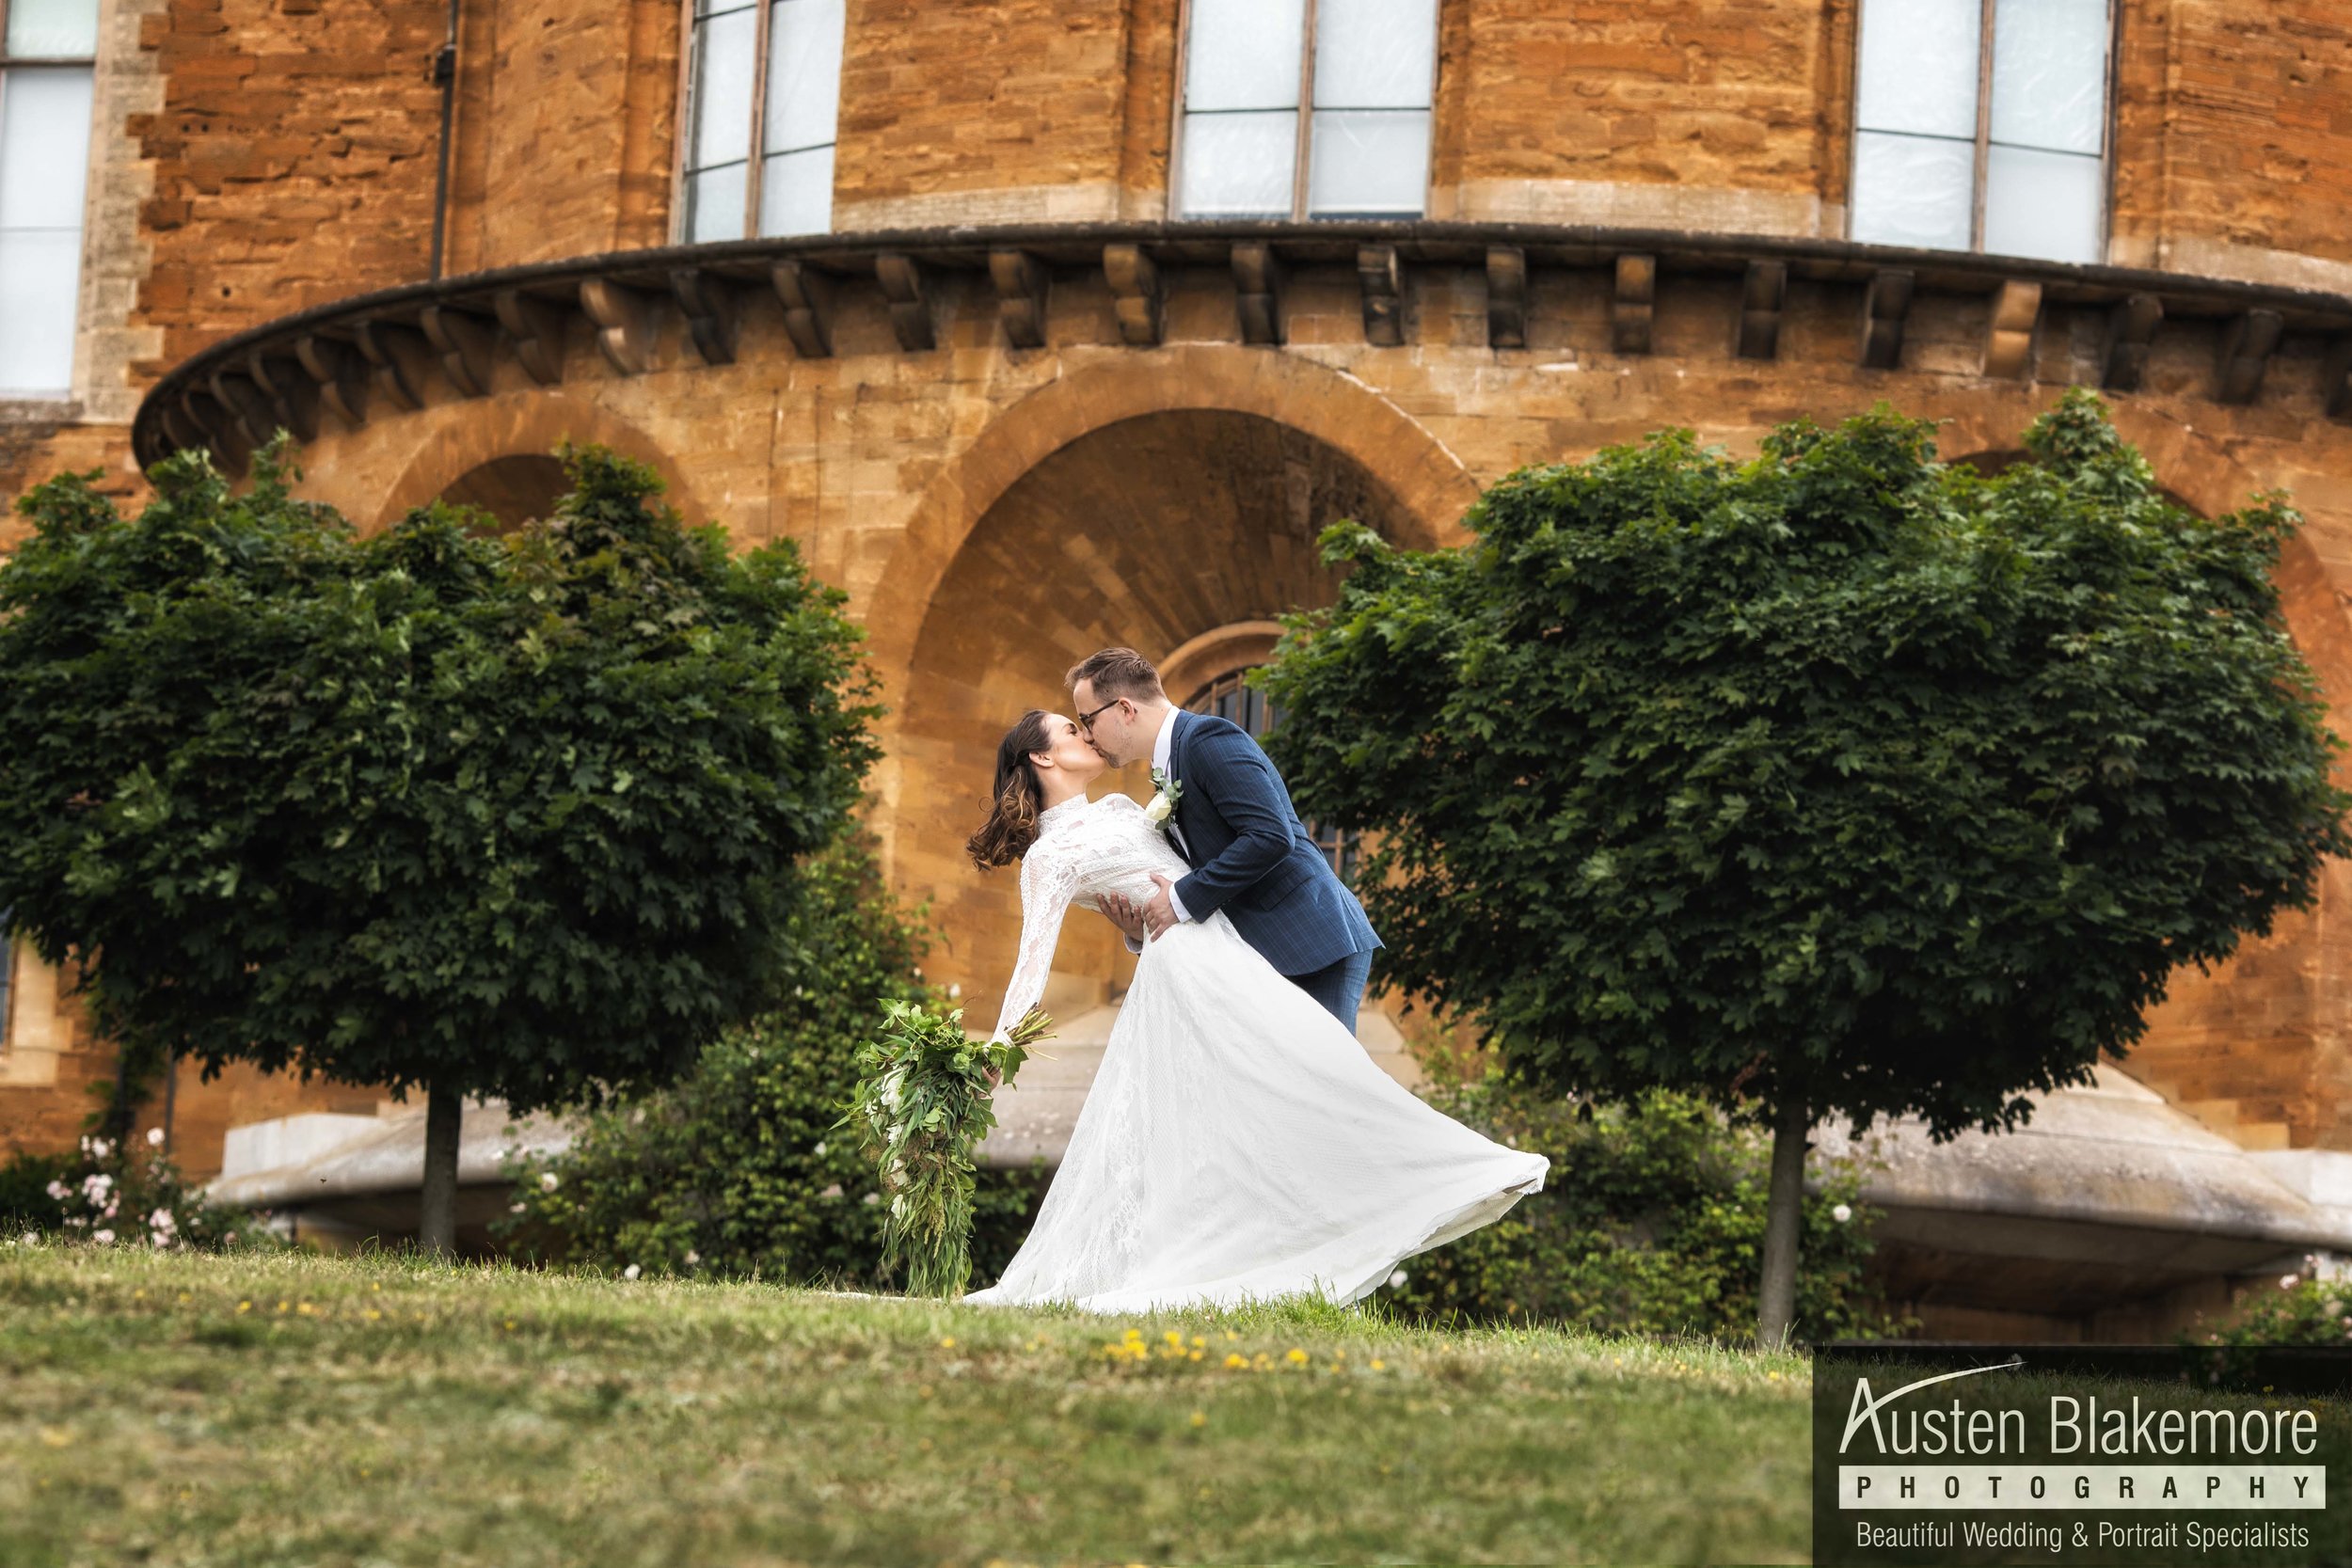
x,y
1984,121
1303,147
757,163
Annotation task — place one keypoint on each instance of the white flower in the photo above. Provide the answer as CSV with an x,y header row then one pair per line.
x,y
57,1190
30,1239
1157,811
154,1137
1841,1213
516,1208
107,1236
1396,1280
161,1220
547,1182
955,990
693,1257
2289,1281
899,1206
630,1272
834,1190
871,1199
820,1148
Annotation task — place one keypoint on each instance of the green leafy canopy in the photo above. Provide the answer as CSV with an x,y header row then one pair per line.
x,y
510,815
1840,771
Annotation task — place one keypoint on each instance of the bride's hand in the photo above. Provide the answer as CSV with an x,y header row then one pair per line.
x,y
995,1078
1125,913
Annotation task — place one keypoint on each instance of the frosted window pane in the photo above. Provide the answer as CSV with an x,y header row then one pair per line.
x,y
796,193
38,273
1912,191
44,147
1245,55
714,203
2050,74
2042,204
1239,166
53,28
1369,161
804,74
1918,68
1375,53
724,55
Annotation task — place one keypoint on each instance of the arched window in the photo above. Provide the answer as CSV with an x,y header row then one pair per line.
x,y
1981,126
48,59
1367,71
763,96
1227,698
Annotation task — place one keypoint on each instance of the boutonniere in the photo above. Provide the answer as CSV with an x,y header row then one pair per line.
x,y
1163,804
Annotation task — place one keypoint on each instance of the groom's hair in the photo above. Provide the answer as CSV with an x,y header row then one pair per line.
x,y
1117,672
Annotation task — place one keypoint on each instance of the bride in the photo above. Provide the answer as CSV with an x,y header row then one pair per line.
x,y
1237,1143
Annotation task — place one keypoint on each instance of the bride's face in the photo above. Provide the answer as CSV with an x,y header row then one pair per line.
x,y
1068,751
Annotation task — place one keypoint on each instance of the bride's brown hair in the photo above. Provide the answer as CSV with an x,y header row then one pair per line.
x,y
1012,825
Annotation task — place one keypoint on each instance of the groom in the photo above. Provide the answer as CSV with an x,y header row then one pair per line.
x,y
1236,826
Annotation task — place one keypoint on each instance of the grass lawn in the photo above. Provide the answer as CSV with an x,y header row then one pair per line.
x,y
380,1408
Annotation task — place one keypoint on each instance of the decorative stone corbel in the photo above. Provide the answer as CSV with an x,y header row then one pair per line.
x,y
339,372
1258,292
624,318
465,343
1761,298
1883,309
902,279
2131,329
1020,287
1506,297
1383,282
2247,346
806,295
709,304
1136,299
2008,334
536,323
402,358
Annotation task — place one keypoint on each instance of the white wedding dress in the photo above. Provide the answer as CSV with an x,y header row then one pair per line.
x,y
1238,1143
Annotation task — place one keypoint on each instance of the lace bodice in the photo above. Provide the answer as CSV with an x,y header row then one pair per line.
x,y
1083,849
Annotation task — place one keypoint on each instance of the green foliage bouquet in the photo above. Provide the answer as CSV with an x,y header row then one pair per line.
x,y
920,1106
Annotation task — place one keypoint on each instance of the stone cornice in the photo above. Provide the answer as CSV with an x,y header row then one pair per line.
x,y
361,357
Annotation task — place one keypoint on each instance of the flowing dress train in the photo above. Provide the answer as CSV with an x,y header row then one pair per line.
x,y
1238,1143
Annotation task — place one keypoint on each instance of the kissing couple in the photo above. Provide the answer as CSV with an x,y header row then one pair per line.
x,y
1237,1143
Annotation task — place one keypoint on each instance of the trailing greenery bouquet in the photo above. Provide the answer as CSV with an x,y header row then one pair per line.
x,y
920,1106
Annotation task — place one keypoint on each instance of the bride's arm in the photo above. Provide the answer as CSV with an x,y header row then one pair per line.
x,y
1049,880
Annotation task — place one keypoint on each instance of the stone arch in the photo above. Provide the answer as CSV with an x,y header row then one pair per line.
x,y
467,440
1431,488
1182,531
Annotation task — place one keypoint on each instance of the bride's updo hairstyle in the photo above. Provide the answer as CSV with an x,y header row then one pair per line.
x,y
1012,825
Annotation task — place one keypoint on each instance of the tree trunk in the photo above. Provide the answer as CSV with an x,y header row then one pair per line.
x,y
437,1219
1776,1300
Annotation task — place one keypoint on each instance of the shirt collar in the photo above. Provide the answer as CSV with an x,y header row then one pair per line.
x,y
1164,744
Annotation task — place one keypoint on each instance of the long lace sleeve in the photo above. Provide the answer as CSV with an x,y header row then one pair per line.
x,y
1049,880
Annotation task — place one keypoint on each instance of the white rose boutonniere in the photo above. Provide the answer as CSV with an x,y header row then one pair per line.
x,y
1163,804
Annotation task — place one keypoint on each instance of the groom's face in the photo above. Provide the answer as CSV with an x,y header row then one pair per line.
x,y
1113,729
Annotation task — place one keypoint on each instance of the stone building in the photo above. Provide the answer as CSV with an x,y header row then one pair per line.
x,y
1045,325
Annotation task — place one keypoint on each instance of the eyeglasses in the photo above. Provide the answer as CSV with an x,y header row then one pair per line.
x,y
1086,720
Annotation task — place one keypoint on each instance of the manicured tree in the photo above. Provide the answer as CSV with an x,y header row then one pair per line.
x,y
1839,780
504,817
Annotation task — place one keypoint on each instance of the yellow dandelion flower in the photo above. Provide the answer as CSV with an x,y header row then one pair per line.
x,y
372,1313
245,1307
1231,1335
1200,1418
1197,1343
1132,1334
1234,1361
949,1342
138,1295
1194,1357
1297,1358
1173,1337
1378,1364
283,1304
184,1295
306,1307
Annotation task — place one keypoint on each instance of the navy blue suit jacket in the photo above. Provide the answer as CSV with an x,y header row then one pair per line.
x,y
1250,854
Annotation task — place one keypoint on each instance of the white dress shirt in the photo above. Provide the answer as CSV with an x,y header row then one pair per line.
x,y
1161,747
